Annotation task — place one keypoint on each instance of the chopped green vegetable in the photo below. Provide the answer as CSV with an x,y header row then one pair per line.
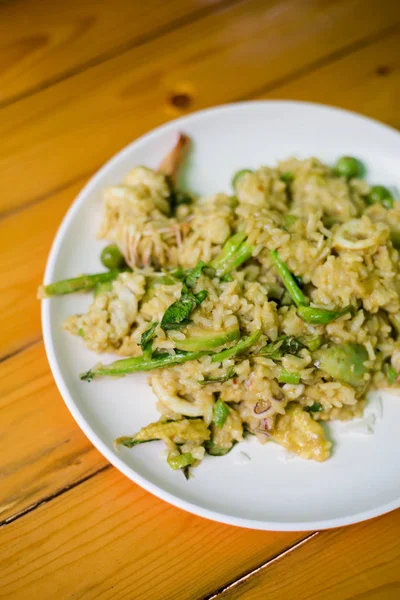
x,y
238,175
99,288
287,177
288,280
112,257
177,314
180,461
125,366
315,407
286,344
83,283
391,374
379,194
321,316
146,341
348,167
81,333
312,342
288,221
287,377
202,339
240,347
234,252
192,430
228,375
345,362
214,450
220,413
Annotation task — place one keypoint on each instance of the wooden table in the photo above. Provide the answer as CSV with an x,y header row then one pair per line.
x,y
78,81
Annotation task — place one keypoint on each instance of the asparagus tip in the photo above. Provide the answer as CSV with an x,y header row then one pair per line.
x,y
88,376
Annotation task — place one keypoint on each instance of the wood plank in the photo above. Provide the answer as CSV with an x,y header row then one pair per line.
x,y
108,538
44,450
71,128
26,238
43,41
360,562
371,93
366,81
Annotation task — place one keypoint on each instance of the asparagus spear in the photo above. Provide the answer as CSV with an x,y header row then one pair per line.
x,y
240,347
288,280
161,361
235,252
139,363
83,283
321,316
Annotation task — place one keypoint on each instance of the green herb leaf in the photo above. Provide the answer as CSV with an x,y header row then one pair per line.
x,y
228,375
193,274
316,407
177,314
287,344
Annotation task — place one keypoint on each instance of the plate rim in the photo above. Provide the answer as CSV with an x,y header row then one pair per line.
x,y
118,463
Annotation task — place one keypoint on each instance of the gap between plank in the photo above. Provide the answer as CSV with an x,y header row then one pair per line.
x,y
322,62
121,49
240,580
22,348
291,77
51,497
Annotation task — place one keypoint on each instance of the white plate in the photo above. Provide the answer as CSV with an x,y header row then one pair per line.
x,y
361,479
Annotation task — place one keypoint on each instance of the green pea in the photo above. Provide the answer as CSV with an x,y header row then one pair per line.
x,y
111,257
380,195
348,167
238,175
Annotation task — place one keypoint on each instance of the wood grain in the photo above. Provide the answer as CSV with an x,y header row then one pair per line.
x,y
108,538
361,562
43,450
43,41
53,137
366,81
25,240
371,93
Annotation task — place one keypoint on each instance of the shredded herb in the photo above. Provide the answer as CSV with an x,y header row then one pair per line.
x,y
287,344
228,375
146,341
